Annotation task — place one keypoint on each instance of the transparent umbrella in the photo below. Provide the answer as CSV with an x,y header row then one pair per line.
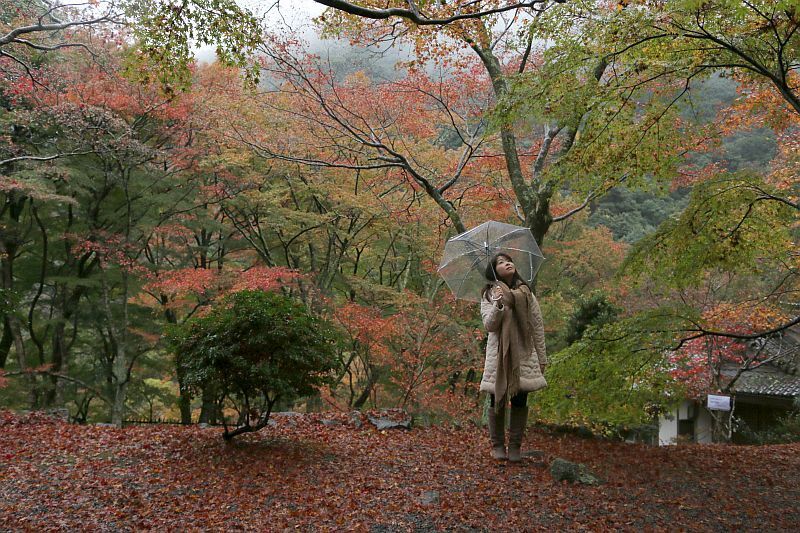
x,y
467,256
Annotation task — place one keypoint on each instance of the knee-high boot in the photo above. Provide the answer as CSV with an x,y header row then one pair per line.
x,y
497,432
519,419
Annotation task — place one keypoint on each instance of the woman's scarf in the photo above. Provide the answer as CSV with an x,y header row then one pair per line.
x,y
515,342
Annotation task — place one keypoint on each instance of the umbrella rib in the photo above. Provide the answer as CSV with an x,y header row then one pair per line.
x,y
461,256
512,231
506,236
523,251
475,245
458,292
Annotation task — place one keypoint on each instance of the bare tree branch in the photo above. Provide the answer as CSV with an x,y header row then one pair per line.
x,y
58,376
4,162
591,196
752,336
420,19
13,35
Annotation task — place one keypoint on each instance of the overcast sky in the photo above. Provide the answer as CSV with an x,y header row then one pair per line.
x,y
296,14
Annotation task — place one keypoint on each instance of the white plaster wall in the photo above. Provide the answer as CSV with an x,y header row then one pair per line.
x,y
668,428
703,426
686,410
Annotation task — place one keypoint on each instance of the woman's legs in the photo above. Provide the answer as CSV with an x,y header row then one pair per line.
x,y
497,425
497,430
516,430
519,400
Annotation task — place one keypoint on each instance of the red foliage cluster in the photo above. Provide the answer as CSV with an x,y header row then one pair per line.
x,y
367,327
333,472
266,278
179,288
183,281
699,360
111,249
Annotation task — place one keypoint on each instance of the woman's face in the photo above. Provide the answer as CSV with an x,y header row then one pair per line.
x,y
504,268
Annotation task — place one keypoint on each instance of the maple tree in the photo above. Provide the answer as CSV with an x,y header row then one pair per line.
x,y
740,229
745,223
92,214
435,362
163,33
727,264
551,89
338,226
367,129
367,334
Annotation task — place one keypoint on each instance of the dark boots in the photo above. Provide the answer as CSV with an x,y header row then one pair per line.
x,y
519,419
516,431
497,432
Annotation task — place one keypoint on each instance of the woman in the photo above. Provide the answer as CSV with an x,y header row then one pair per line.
x,y
515,353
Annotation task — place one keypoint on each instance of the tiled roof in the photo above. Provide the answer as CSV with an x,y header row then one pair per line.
x,y
785,352
765,380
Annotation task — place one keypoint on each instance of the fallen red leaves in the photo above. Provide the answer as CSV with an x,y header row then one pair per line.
x,y
303,473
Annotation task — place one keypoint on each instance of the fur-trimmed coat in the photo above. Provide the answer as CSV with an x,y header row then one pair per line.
x,y
531,378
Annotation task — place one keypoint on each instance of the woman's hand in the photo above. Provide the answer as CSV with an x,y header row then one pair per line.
x,y
497,293
501,294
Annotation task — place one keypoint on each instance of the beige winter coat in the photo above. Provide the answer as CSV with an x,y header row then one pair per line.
x,y
531,378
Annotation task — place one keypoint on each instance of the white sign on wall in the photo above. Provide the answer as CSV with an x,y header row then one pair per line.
x,y
719,403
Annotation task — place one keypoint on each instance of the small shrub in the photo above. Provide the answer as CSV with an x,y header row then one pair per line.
x,y
254,349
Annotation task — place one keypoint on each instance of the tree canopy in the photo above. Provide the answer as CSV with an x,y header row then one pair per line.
x,y
651,148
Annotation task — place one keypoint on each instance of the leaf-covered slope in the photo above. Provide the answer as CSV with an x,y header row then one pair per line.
x,y
335,475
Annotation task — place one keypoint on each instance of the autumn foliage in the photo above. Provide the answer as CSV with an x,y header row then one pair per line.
x,y
129,207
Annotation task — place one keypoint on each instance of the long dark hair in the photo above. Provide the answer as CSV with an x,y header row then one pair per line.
x,y
491,275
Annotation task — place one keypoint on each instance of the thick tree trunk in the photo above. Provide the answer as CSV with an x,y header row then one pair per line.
x,y
185,404
67,304
365,394
534,195
120,395
534,202
185,395
721,426
120,377
6,342
54,394
120,368
9,245
208,408
22,359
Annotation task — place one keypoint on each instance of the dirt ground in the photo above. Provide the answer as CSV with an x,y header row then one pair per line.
x,y
330,472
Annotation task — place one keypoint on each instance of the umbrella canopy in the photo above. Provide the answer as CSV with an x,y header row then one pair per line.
x,y
467,256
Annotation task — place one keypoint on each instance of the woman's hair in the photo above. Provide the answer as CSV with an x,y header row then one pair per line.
x,y
491,275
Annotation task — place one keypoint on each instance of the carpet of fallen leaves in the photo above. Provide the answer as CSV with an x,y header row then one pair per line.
x,y
333,472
